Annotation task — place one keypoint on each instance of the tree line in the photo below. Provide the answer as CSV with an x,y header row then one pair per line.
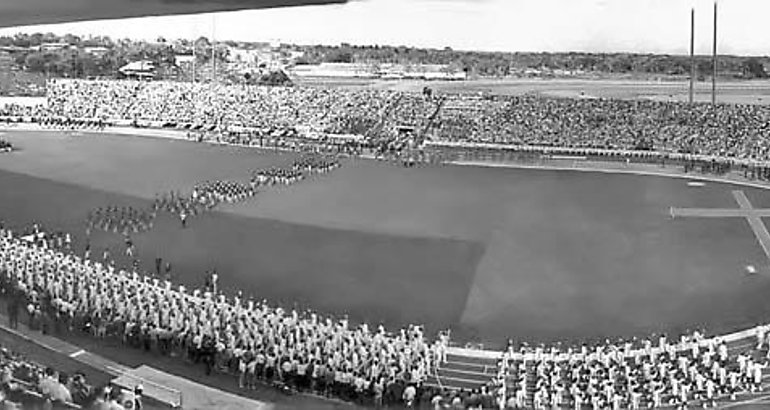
x,y
502,64
100,56
76,61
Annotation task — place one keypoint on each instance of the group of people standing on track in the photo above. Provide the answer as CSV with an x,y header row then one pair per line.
x,y
252,341
303,167
635,374
222,191
5,145
184,206
120,219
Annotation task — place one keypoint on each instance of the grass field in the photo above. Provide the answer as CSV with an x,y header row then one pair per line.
x,y
491,253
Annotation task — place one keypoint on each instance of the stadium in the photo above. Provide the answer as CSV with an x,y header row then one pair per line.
x,y
483,244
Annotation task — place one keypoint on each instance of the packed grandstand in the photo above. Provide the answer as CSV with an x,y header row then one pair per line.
x,y
257,342
726,130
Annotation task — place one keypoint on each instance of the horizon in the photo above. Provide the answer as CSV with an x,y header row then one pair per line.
x,y
657,27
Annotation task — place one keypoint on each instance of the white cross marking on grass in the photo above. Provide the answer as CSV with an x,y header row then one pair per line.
x,y
78,353
752,215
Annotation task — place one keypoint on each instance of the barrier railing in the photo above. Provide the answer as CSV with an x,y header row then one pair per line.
x,y
164,394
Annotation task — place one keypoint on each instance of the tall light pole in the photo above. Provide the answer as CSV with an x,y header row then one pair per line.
x,y
214,47
692,54
195,56
714,58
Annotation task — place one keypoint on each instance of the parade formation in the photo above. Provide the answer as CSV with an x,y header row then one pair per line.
x,y
304,351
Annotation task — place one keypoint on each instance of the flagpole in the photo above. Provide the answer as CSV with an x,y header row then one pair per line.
x,y
214,47
214,62
714,58
193,61
692,54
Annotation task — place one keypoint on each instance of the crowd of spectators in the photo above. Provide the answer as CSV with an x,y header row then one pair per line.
x,y
725,130
20,112
41,115
26,384
409,115
276,114
268,108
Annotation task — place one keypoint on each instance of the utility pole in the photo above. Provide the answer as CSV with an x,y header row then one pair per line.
x,y
193,61
692,54
214,47
714,58
214,80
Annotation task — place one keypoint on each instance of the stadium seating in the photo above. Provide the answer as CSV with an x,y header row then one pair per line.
x,y
726,130
31,385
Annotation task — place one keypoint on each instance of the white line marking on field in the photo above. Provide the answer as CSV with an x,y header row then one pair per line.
x,y
745,402
610,171
78,353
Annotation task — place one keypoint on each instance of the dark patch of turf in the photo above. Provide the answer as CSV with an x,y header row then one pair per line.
x,y
372,277
586,256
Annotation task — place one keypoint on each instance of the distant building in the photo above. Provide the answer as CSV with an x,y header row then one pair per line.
x,y
182,59
144,69
339,70
96,50
295,54
14,49
53,46
6,61
242,55
384,71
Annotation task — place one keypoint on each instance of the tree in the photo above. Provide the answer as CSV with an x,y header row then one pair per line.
x,y
753,68
35,62
275,78
71,39
340,56
202,41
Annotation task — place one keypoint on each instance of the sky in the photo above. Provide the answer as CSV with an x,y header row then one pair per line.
x,y
643,26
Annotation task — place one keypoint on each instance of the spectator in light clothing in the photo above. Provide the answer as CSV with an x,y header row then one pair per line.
x,y
409,394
